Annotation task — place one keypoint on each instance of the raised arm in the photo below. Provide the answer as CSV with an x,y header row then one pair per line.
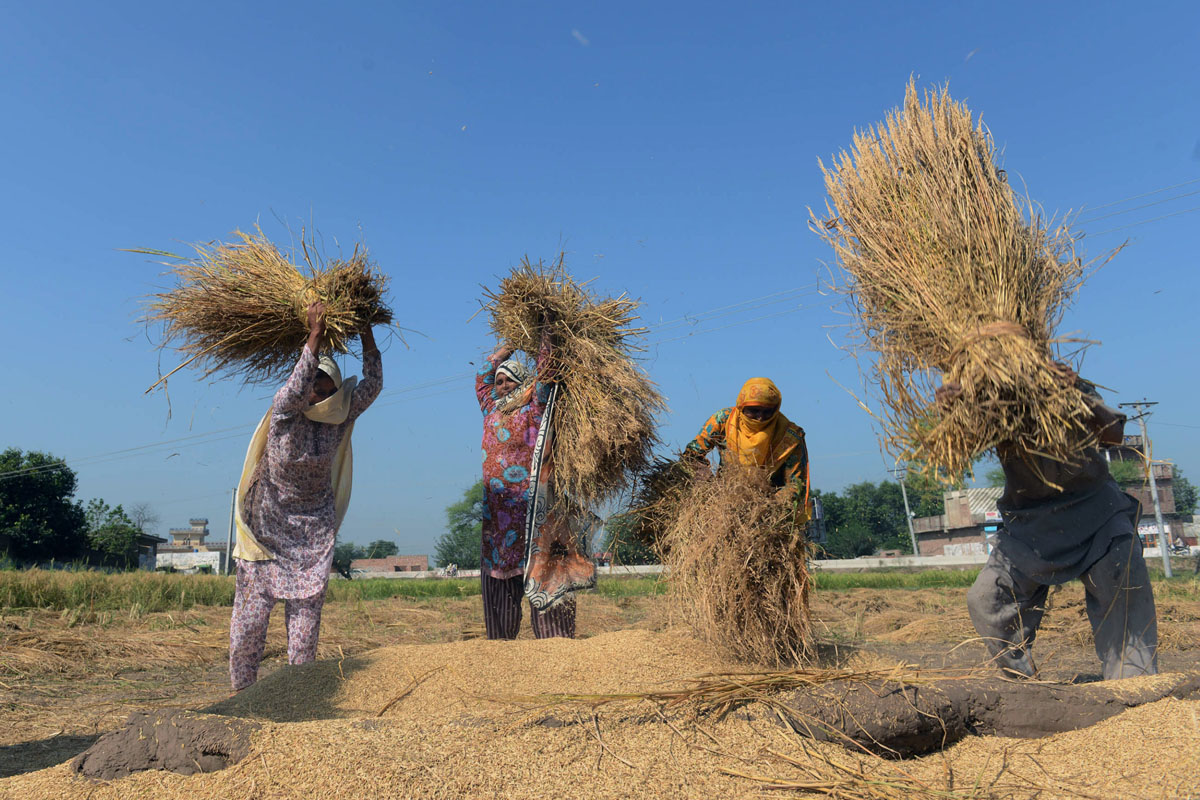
x,y
485,379
372,382
292,397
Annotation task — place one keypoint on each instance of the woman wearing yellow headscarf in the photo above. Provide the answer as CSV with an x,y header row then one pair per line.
x,y
754,432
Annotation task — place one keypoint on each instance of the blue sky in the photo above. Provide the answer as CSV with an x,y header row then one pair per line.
x,y
671,149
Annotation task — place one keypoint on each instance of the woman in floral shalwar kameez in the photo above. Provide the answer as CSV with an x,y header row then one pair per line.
x,y
513,403
294,492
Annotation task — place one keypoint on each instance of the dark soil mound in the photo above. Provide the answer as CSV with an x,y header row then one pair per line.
x,y
174,740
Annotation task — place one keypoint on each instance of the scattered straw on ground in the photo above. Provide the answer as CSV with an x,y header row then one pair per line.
x,y
738,567
949,273
604,425
240,307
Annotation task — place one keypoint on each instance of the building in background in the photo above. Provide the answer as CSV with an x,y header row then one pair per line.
x,y
390,564
148,545
971,515
1133,479
190,551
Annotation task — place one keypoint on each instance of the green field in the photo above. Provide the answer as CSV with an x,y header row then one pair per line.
x,y
149,592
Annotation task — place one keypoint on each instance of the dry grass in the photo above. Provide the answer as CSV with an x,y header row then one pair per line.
x,y
240,307
738,568
950,273
656,495
604,428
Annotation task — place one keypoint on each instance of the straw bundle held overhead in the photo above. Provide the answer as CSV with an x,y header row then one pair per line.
x,y
604,425
239,307
738,567
949,272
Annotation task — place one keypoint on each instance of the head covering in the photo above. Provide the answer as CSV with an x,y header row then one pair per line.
x,y
336,408
520,396
758,442
514,369
326,364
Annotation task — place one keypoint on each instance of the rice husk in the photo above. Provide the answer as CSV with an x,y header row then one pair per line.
x,y
738,568
949,273
240,307
604,425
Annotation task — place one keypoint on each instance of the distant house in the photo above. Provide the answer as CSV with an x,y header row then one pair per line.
x,y
148,545
1133,449
189,549
391,564
971,515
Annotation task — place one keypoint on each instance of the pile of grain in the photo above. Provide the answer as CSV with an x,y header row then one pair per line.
x,y
444,740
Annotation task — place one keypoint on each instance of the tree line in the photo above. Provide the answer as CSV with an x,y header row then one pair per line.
x,y
41,521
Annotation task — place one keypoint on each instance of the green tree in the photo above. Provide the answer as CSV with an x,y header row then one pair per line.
x,y
343,554
926,496
1128,473
382,548
623,544
111,534
1185,494
864,518
39,516
461,543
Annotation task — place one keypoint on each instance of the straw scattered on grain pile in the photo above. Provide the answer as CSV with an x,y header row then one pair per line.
x,y
738,568
604,429
240,307
949,272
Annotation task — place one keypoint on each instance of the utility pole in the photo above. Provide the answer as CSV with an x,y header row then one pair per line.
x,y
902,474
1146,452
229,541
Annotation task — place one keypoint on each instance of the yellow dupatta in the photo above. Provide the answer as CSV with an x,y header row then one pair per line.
x,y
756,443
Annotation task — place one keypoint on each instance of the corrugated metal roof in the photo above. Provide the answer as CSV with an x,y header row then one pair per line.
x,y
980,501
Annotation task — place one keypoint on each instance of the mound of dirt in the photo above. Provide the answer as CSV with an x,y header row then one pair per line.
x,y
175,741
897,720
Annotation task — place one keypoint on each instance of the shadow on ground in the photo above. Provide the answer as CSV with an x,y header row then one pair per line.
x,y
17,759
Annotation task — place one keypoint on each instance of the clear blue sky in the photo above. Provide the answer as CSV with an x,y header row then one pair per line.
x,y
670,148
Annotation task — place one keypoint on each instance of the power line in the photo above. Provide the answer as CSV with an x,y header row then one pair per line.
x,y
1146,221
1140,196
730,325
1137,208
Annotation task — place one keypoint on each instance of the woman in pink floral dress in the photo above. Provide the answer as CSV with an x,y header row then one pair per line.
x,y
513,403
289,510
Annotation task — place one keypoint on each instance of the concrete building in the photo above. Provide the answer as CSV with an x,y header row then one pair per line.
x,y
148,545
391,564
189,549
971,515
